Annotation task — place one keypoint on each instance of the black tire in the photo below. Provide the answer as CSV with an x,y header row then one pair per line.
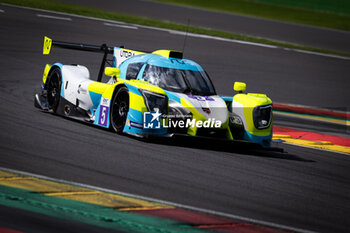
x,y
53,87
119,110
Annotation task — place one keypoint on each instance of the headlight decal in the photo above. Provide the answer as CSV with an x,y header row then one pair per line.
x,y
262,116
155,101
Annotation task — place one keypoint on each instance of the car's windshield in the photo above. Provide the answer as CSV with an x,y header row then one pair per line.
x,y
181,81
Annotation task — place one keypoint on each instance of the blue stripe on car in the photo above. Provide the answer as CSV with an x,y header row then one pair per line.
x,y
173,96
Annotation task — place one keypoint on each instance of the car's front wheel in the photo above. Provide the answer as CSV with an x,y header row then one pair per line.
x,y
119,109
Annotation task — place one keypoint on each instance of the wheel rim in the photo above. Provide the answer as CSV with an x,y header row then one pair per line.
x,y
120,110
53,91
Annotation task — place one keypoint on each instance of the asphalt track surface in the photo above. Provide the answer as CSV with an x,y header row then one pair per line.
x,y
303,188
337,40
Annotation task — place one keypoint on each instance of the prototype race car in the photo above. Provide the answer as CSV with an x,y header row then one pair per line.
x,y
152,93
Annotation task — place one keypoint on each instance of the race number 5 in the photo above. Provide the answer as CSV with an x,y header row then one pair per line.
x,y
103,116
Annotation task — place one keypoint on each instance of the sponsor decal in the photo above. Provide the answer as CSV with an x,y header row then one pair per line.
x,y
206,110
105,101
126,54
136,125
177,61
104,111
201,98
121,55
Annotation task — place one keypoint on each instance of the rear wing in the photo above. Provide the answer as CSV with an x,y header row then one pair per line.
x,y
48,43
120,53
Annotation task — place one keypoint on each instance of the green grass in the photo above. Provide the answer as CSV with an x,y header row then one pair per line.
x,y
333,6
86,11
324,13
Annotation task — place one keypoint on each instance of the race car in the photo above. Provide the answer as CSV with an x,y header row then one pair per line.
x,y
152,93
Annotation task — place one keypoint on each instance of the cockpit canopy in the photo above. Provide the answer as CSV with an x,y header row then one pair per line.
x,y
171,74
180,81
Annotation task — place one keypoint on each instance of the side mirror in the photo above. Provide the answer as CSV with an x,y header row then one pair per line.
x,y
239,86
112,71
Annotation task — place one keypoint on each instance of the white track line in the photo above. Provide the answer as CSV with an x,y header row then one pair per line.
x,y
317,53
211,212
120,26
220,39
181,33
2,11
54,17
61,13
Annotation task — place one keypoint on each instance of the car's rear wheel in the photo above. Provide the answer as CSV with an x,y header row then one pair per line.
x,y
119,109
53,86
